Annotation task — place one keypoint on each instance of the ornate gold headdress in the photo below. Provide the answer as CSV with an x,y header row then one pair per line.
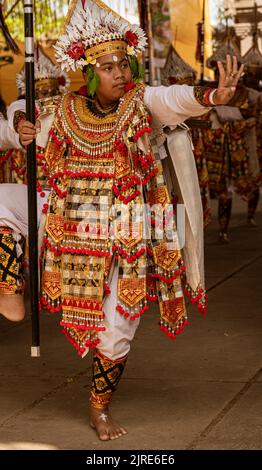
x,y
92,30
46,74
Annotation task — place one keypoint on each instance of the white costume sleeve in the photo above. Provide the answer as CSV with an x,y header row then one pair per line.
x,y
9,139
172,105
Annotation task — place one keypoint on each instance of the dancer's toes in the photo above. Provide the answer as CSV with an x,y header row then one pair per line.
x,y
105,426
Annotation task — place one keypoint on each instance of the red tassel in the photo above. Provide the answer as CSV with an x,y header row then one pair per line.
x,y
139,134
126,314
107,290
46,305
152,298
91,344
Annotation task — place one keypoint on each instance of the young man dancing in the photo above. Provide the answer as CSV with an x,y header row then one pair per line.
x,y
99,269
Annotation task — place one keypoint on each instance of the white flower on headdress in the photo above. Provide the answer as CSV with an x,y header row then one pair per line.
x,y
93,25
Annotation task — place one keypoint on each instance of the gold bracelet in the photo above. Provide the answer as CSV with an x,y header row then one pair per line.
x,y
18,116
202,94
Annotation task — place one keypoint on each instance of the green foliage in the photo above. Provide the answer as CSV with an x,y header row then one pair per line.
x,y
137,69
141,72
49,18
92,80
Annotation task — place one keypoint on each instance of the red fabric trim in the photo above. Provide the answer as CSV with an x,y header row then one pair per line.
x,y
82,327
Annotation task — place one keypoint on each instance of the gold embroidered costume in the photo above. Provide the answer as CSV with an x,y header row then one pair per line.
x,y
98,173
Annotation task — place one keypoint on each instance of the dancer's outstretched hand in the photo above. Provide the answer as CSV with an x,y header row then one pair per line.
x,y
228,80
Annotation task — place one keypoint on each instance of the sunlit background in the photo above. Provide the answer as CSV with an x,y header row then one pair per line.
x,y
169,22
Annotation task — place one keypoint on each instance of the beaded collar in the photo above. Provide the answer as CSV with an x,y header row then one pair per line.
x,y
94,107
83,123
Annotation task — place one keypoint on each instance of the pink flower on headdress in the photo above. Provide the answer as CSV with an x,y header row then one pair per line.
x,y
76,50
131,38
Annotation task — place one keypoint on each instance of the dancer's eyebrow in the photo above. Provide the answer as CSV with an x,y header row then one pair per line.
x,y
112,62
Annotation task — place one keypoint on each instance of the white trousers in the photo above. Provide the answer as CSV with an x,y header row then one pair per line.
x,y
115,341
13,207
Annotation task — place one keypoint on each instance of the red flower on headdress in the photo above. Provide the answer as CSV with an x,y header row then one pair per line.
x,y
131,38
129,86
76,50
61,80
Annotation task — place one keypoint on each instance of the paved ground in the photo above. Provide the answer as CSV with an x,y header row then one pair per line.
x,y
202,392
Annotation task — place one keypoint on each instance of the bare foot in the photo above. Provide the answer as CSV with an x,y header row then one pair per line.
x,y
12,306
107,429
223,238
251,222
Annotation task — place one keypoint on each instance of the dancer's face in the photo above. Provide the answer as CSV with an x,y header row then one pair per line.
x,y
114,73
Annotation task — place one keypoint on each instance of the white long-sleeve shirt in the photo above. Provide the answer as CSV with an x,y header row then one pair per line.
x,y
172,105
9,139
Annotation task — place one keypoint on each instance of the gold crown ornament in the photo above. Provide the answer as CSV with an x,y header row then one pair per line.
x,y
92,30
